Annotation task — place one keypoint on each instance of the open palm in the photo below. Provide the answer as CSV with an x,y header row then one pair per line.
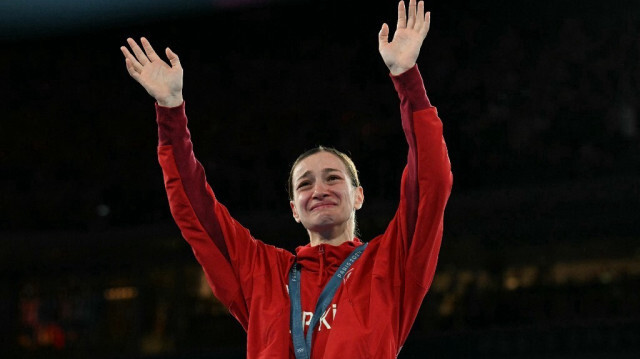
x,y
161,80
402,52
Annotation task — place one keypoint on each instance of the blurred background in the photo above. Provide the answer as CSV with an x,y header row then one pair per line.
x,y
539,100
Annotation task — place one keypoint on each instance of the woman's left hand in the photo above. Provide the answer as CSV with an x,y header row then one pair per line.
x,y
402,52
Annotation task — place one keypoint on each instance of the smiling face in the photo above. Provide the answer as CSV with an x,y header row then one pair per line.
x,y
324,198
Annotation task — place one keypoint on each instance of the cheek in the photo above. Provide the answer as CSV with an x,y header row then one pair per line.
x,y
299,200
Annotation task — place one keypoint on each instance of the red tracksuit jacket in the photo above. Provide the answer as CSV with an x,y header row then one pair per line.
x,y
377,303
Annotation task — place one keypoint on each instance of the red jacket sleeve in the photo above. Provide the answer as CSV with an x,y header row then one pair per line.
x,y
411,242
427,178
230,257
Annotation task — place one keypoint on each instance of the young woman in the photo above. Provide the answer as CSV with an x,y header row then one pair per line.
x,y
336,296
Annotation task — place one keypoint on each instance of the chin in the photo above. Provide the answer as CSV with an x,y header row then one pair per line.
x,y
326,224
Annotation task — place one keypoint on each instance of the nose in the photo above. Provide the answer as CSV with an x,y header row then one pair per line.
x,y
320,190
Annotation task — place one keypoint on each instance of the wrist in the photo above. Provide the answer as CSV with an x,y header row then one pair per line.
x,y
399,70
171,101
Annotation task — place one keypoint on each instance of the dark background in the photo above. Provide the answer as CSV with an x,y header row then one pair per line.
x,y
539,100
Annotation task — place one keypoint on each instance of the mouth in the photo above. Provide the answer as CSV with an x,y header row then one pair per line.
x,y
321,206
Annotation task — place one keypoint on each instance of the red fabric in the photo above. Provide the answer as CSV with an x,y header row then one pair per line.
x,y
374,309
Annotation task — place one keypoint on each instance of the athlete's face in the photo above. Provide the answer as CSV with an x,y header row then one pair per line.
x,y
323,196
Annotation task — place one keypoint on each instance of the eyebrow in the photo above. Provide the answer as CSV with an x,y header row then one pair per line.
x,y
324,171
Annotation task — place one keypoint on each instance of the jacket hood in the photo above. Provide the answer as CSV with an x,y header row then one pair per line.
x,y
323,260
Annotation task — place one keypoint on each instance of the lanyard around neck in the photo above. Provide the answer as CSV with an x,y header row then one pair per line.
x,y
302,345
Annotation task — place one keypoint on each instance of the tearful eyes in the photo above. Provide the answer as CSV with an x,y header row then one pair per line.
x,y
306,184
303,184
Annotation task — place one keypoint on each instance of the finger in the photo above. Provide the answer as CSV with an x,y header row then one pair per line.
x,y
412,14
402,16
424,29
140,56
148,49
131,59
420,15
173,58
383,35
131,70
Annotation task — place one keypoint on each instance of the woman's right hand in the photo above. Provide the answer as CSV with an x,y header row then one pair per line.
x,y
162,81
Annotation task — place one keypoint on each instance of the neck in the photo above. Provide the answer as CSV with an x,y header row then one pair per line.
x,y
334,238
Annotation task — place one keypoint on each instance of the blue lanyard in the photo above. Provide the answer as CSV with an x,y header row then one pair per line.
x,y
302,345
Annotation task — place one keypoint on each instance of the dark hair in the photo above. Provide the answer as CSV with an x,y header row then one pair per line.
x,y
348,164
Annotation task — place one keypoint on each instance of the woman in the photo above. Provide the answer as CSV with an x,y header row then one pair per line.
x,y
336,297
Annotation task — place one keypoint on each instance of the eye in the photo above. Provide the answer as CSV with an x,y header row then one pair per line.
x,y
303,184
333,178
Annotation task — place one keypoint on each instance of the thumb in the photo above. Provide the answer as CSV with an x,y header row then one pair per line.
x,y
383,35
173,58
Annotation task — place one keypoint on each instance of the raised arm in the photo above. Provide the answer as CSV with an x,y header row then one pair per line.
x,y
228,254
411,243
400,56
414,234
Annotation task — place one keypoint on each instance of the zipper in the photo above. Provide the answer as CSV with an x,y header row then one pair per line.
x,y
321,264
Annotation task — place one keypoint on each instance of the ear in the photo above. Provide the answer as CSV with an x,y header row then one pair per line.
x,y
294,211
359,198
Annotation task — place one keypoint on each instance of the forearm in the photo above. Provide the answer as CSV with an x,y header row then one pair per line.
x,y
173,132
413,98
411,90
422,128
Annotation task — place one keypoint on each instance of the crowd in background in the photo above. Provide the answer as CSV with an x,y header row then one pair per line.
x,y
523,100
